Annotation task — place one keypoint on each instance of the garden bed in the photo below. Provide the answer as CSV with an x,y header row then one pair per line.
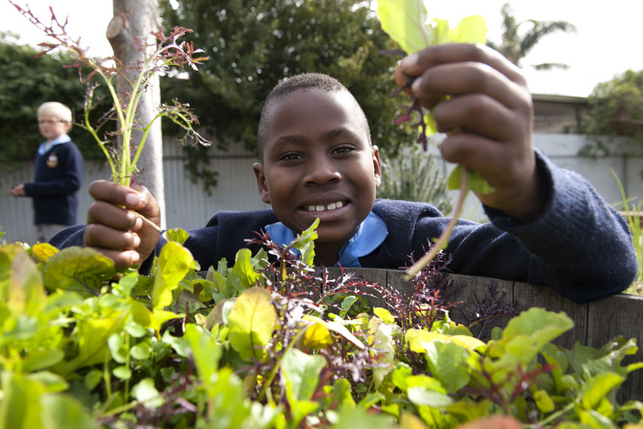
x,y
595,324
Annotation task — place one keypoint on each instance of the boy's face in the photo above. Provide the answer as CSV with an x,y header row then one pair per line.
x,y
51,127
318,163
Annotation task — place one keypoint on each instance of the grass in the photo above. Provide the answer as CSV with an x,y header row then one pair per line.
x,y
633,214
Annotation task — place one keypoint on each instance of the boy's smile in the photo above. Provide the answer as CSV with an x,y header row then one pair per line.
x,y
318,163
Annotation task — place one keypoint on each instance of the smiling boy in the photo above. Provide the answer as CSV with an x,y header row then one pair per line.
x,y
548,226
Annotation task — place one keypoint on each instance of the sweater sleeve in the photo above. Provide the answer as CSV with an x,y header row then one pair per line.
x,y
579,245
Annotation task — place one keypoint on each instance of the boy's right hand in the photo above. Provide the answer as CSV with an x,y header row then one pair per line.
x,y
113,228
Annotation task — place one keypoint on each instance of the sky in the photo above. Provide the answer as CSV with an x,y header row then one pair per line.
x,y
606,44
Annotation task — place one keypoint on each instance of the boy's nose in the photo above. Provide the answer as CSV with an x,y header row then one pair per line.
x,y
322,171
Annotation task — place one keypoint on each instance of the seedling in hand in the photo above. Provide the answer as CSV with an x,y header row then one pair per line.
x,y
407,23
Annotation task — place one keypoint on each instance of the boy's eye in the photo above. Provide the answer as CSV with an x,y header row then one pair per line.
x,y
343,149
290,156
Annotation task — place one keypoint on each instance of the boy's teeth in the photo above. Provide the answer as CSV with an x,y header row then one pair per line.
x,y
331,206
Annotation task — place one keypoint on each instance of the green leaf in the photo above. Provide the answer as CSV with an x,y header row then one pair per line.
x,y
78,269
40,359
252,321
122,372
448,364
384,342
244,270
64,412
205,351
471,29
404,21
526,334
302,374
93,335
305,243
92,378
174,263
146,393
430,398
118,347
177,234
593,391
475,181
25,294
358,418
20,405
341,394
384,314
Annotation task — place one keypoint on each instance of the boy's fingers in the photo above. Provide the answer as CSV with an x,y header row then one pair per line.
x,y
101,212
415,64
122,259
469,77
498,164
102,236
480,114
104,190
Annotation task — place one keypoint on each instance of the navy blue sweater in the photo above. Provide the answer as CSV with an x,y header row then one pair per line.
x,y
57,178
579,245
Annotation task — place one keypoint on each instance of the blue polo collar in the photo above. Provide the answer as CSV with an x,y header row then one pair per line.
x,y
369,236
43,149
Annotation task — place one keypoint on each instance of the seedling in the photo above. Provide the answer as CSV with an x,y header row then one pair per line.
x,y
406,21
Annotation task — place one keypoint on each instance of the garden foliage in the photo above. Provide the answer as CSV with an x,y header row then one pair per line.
x,y
267,342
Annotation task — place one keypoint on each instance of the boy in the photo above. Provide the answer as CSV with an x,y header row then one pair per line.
x,y
547,226
58,173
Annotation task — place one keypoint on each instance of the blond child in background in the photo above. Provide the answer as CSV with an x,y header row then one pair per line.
x,y
58,173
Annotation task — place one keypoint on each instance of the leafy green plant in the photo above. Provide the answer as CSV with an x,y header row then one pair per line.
x,y
158,55
633,215
406,22
268,342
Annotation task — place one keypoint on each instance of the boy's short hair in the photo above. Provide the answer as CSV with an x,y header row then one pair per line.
x,y
56,109
318,81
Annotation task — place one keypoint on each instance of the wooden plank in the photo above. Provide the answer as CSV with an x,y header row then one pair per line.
x,y
619,315
528,296
473,290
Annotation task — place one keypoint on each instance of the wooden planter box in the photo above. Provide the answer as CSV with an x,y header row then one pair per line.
x,y
596,323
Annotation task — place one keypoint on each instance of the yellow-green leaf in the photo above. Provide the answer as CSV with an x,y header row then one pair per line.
x,y
41,252
317,337
79,269
252,321
416,337
173,264
384,314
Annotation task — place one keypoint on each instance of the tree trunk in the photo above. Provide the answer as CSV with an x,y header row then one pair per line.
x,y
138,18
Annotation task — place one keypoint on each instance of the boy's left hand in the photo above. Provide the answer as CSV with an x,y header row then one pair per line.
x,y
488,119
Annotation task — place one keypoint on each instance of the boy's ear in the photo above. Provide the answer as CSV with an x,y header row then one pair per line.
x,y
261,182
377,166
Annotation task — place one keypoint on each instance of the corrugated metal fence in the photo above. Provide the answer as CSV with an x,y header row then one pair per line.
x,y
189,207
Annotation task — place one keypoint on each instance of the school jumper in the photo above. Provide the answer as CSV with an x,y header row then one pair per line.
x,y
57,178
